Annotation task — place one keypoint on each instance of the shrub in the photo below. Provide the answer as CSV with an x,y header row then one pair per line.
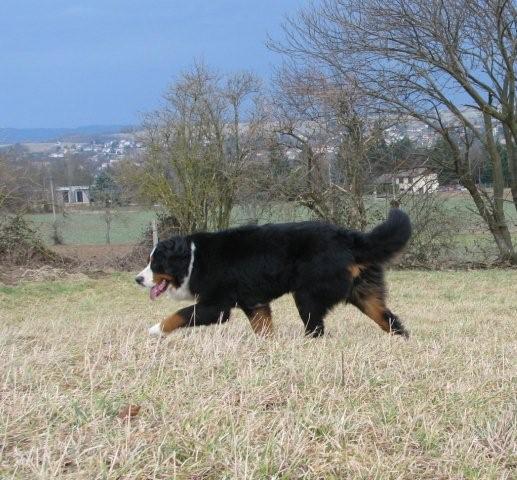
x,y
20,244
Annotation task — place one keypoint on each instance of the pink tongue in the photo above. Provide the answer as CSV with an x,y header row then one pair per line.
x,y
158,289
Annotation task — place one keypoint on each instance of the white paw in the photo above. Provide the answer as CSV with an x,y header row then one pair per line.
x,y
156,331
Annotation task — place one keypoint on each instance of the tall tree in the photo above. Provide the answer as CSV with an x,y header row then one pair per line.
x,y
106,193
199,146
330,125
427,60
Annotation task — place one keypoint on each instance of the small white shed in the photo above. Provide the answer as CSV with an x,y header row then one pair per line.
x,y
73,195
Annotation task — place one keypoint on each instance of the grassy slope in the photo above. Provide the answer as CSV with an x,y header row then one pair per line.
x,y
219,402
89,227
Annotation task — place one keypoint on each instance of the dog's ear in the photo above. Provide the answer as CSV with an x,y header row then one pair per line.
x,y
172,256
177,247
173,247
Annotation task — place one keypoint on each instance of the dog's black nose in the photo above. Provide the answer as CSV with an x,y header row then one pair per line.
x,y
139,280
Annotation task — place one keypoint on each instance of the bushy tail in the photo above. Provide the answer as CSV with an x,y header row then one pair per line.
x,y
384,241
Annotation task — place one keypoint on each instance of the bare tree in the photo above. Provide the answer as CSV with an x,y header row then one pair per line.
x,y
330,125
198,147
8,185
428,60
21,184
106,194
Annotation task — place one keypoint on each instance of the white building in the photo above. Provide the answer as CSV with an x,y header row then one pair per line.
x,y
73,195
417,180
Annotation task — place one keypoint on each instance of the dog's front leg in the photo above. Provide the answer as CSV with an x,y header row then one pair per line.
x,y
191,316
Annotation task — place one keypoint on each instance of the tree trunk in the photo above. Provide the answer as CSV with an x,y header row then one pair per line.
x,y
107,217
496,226
493,215
511,149
352,152
499,225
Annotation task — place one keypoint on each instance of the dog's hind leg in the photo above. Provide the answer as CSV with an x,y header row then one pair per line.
x,y
375,308
368,294
312,312
194,315
260,319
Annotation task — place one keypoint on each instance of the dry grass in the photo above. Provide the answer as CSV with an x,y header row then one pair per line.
x,y
219,402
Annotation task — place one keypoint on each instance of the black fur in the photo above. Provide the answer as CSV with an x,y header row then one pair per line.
x,y
172,257
250,266
384,241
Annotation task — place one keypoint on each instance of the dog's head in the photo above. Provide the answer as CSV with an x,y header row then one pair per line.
x,y
167,268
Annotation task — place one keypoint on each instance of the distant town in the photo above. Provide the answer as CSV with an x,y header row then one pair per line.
x,y
79,156
103,153
102,150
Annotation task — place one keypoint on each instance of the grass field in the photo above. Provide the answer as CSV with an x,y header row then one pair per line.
x,y
88,227
221,403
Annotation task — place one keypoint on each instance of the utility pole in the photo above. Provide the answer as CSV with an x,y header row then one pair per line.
x,y
155,232
52,195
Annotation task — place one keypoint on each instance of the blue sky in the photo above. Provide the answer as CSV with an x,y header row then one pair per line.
x,y
67,63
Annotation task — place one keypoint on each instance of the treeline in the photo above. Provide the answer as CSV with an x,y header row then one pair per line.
x,y
321,133
26,178
352,69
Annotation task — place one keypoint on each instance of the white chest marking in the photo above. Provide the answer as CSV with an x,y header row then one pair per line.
x,y
183,291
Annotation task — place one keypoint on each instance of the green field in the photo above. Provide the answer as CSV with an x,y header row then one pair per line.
x,y
89,226
221,403
82,227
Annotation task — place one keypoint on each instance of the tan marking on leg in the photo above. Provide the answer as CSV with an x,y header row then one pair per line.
x,y
172,322
375,308
261,321
355,269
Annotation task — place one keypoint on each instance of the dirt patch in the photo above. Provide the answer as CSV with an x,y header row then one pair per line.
x,y
94,261
105,257
14,274
95,255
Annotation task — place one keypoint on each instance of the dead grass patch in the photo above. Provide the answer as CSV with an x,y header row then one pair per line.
x,y
220,402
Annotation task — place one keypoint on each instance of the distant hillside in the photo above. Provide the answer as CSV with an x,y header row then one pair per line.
x,y
38,135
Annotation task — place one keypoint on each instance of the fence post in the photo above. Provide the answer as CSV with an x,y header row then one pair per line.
x,y
155,232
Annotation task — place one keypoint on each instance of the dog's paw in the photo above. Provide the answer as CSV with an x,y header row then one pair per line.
x,y
156,331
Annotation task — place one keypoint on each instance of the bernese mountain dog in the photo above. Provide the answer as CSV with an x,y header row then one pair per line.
x,y
248,267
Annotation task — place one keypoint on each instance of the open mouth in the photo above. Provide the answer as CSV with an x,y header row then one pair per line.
x,y
158,289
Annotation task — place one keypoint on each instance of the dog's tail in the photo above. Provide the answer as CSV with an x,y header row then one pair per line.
x,y
384,241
